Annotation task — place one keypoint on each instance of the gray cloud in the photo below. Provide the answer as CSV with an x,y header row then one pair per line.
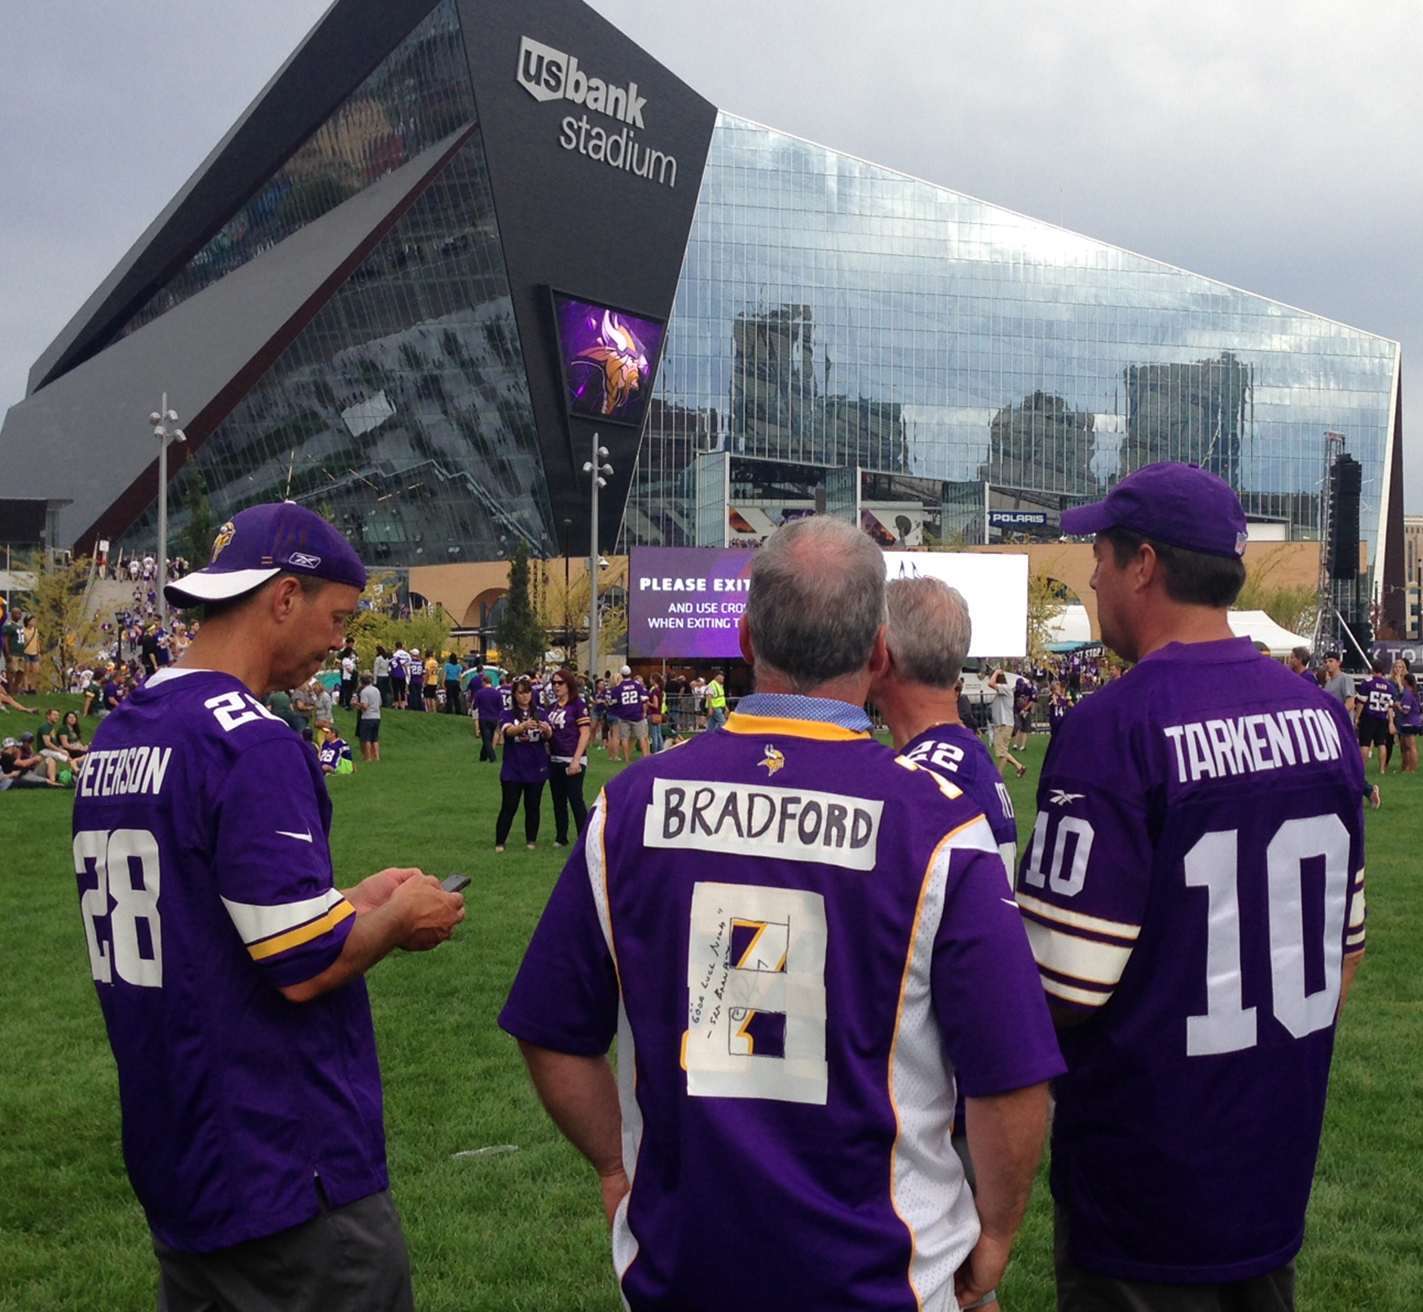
x,y
1271,146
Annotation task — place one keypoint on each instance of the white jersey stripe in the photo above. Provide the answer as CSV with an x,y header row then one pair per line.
x,y
1082,959
926,1180
1076,919
254,922
1069,994
625,1245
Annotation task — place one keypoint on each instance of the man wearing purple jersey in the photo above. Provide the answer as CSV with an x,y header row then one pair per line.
x,y
1194,894
1374,698
488,707
227,964
926,641
928,637
797,938
628,716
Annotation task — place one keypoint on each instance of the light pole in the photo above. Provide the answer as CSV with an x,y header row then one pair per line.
x,y
161,419
568,653
598,471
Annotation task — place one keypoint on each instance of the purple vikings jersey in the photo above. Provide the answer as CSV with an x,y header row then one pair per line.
x,y
567,721
957,753
525,756
796,938
629,701
200,824
1408,713
1377,694
1194,880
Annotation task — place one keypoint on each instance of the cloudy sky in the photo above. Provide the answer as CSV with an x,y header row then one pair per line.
x,y
1273,145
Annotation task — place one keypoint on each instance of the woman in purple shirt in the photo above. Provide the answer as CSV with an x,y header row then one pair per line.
x,y
568,754
1408,719
525,769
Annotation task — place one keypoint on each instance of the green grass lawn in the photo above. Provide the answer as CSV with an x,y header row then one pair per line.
x,y
523,1229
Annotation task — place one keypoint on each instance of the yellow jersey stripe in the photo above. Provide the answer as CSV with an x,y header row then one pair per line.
x,y
778,726
296,937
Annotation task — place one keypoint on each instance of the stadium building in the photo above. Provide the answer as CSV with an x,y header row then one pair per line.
x,y
454,239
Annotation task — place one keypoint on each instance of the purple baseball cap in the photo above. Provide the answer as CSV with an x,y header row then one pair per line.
x,y
261,542
1183,505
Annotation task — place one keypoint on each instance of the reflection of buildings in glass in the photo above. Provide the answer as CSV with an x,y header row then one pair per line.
x,y
781,410
1193,412
1042,444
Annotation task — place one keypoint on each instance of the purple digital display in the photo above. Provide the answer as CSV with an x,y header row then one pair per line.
x,y
608,359
687,601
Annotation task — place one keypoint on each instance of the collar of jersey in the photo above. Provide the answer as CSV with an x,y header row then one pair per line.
x,y
798,716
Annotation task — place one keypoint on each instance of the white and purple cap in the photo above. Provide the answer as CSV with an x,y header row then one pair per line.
x,y
1182,505
261,542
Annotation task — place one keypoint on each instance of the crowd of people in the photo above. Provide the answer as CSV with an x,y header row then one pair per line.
x,y
837,986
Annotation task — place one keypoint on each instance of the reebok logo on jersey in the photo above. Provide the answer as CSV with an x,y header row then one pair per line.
x,y
1061,797
787,823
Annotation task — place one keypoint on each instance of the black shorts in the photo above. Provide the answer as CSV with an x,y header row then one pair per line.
x,y
368,731
1372,732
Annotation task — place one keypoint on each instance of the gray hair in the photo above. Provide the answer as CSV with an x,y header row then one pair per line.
x,y
929,630
816,601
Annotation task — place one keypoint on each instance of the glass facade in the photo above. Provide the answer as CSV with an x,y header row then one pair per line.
x,y
402,411
833,313
417,96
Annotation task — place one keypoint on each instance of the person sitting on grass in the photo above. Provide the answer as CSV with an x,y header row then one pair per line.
x,y
71,736
7,702
49,738
20,767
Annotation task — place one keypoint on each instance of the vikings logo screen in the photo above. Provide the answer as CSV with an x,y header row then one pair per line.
x,y
608,358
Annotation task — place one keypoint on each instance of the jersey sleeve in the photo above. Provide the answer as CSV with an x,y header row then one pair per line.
x,y
1086,874
991,1009
565,996
273,864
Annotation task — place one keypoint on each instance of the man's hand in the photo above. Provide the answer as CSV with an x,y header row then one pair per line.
x,y
615,1188
431,912
376,890
982,1269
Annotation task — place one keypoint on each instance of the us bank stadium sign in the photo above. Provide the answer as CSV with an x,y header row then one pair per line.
x,y
548,74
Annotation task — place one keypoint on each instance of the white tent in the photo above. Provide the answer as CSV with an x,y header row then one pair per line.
x,y
1259,627
1074,626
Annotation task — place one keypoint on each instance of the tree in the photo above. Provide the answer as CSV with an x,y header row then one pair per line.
x,y
58,597
197,537
519,635
1293,606
374,625
1046,602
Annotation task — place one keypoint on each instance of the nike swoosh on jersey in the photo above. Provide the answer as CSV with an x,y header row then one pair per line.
x,y
287,833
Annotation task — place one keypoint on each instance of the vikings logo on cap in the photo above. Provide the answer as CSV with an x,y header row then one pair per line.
x,y
224,536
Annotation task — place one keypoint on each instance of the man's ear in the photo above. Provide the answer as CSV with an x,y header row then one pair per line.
x,y
880,659
743,637
284,596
